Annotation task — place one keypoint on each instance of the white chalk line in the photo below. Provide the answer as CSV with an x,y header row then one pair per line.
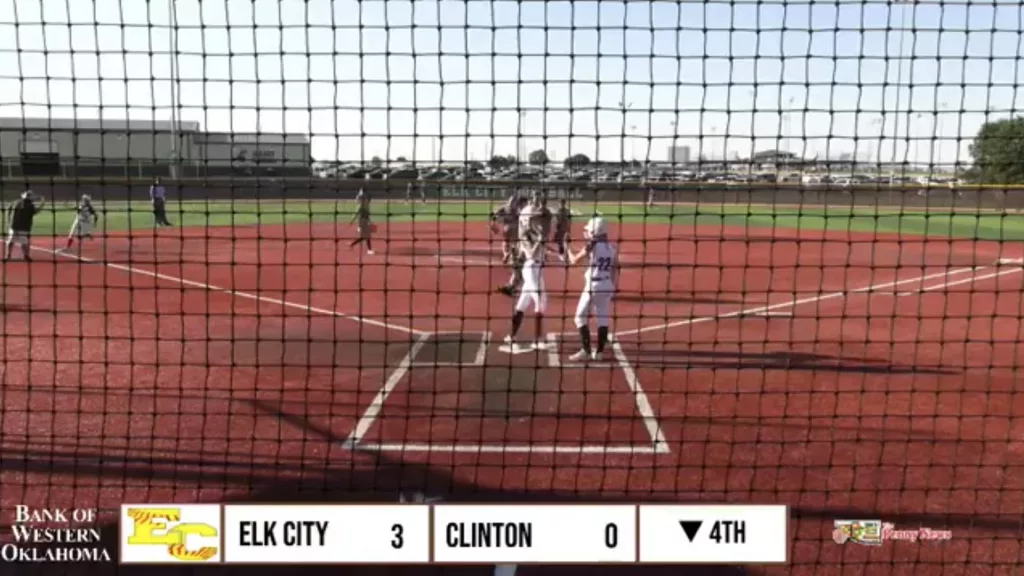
x,y
790,304
643,404
462,448
972,279
478,359
235,293
373,410
469,262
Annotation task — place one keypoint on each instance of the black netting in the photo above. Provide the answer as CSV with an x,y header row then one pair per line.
x,y
814,208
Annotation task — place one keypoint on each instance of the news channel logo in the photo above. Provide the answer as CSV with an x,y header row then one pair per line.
x,y
866,532
170,533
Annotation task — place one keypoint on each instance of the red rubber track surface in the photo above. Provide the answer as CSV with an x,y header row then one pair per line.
x,y
119,386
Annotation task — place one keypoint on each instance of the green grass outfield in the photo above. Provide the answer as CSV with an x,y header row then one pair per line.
x,y
121,216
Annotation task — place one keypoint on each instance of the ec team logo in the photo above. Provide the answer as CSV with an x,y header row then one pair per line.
x,y
163,534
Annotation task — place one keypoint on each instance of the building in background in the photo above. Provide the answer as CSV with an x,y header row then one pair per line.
x,y
117,148
769,160
679,155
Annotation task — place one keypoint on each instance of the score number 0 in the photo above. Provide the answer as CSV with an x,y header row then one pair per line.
x,y
611,535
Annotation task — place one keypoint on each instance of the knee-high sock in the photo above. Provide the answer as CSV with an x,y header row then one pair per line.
x,y
585,338
602,338
517,322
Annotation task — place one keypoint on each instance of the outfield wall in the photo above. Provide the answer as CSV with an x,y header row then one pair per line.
x,y
704,193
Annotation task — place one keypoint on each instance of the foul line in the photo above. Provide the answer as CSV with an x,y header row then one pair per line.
x,y
791,303
468,262
236,293
944,285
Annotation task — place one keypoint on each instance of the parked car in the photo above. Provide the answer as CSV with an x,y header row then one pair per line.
x,y
402,174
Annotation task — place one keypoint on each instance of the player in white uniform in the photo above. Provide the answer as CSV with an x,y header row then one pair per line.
x,y
85,218
525,212
598,287
533,293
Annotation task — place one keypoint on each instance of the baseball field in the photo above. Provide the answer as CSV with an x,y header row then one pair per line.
x,y
852,363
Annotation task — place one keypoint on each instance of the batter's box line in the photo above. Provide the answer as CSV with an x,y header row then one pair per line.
x,y
659,445
643,403
498,448
483,338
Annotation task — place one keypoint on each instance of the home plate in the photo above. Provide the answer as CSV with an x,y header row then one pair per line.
x,y
515,349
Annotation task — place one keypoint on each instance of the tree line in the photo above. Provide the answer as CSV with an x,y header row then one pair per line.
x,y
537,158
499,162
997,153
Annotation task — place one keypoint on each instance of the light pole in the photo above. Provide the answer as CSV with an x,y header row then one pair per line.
x,y
625,106
787,116
714,138
632,143
917,141
936,151
753,122
899,85
672,150
522,151
880,122
172,20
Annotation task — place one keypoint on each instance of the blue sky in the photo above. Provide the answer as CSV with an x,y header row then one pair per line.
x,y
364,78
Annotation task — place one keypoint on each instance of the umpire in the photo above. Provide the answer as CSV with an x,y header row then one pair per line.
x,y
158,195
23,214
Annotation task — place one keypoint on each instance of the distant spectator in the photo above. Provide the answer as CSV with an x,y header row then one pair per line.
x,y
645,183
409,190
158,196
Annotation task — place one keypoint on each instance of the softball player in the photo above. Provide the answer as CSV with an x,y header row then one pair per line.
x,y
533,293
85,218
598,287
365,227
529,210
562,224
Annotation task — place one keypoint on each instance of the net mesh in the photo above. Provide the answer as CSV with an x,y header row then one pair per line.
x,y
291,286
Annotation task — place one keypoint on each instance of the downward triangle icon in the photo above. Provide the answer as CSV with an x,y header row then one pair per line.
x,y
691,527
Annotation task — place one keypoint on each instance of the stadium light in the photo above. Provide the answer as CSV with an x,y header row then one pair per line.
x,y
172,20
899,87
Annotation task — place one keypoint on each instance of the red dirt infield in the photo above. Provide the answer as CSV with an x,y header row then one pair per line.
x,y
846,375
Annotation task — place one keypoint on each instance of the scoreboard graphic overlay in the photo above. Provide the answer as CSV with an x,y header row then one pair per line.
x,y
454,534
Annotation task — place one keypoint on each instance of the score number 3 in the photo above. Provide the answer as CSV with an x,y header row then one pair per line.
x,y
397,541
